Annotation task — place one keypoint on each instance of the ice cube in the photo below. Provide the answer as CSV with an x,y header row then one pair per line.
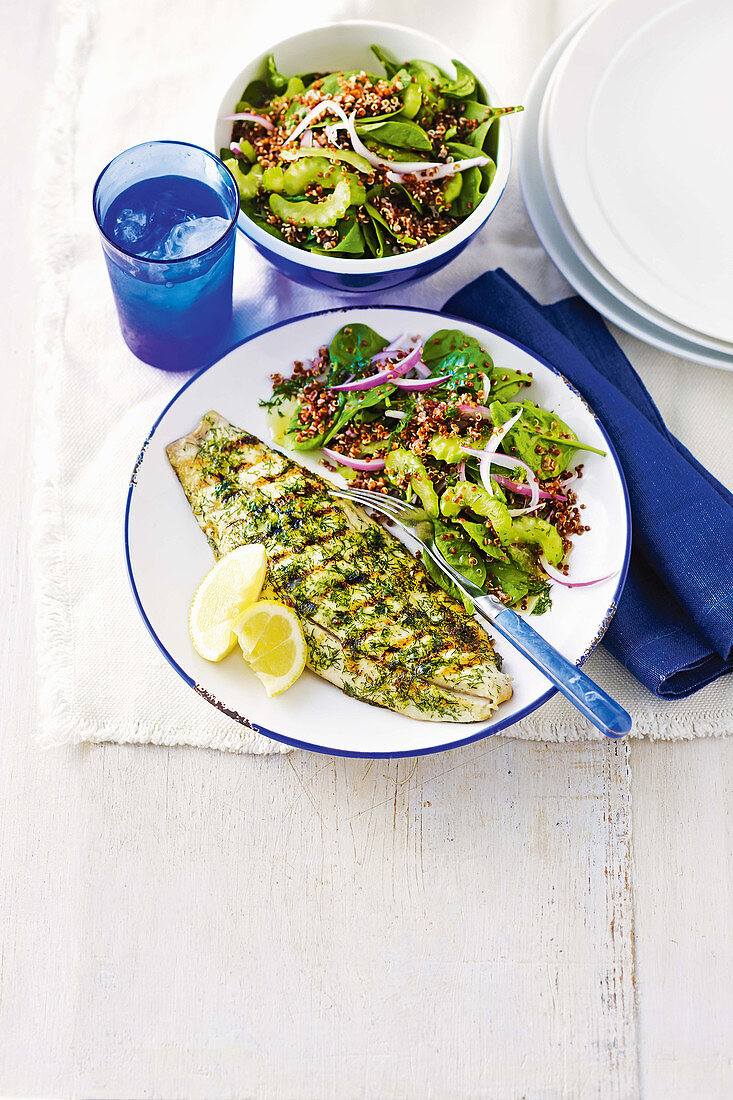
x,y
188,238
130,225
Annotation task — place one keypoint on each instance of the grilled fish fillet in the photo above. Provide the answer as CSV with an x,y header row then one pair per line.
x,y
375,624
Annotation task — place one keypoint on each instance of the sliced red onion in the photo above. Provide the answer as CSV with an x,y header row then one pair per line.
x,y
487,385
391,349
306,140
234,146
433,171
396,169
399,168
462,470
411,359
560,578
510,464
421,369
364,465
489,456
249,116
524,490
479,412
417,385
395,414
497,436
388,375
358,145
314,114
370,383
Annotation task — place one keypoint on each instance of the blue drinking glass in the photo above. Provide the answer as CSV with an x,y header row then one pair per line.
x,y
167,213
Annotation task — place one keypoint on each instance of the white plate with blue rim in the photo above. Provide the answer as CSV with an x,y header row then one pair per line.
x,y
167,555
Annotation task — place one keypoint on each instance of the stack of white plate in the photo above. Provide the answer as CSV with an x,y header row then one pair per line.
x,y
626,169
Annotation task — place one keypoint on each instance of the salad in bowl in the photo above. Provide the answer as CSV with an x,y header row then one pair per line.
x,y
363,166
356,164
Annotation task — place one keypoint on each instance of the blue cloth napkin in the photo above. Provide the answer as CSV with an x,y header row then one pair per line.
x,y
674,625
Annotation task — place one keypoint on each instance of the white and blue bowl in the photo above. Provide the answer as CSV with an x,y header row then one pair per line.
x,y
347,46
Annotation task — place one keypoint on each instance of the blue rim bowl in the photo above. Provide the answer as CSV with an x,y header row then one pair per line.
x,y
346,46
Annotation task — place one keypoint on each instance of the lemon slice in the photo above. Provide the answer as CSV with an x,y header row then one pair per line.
x,y
233,584
273,643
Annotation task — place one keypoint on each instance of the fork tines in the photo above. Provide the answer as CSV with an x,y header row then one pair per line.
x,y
390,505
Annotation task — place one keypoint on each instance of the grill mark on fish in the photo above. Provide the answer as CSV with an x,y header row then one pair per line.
x,y
375,624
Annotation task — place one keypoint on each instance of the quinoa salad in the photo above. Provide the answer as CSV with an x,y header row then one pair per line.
x,y
358,165
439,424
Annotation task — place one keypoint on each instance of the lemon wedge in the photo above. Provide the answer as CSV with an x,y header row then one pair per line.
x,y
273,644
232,585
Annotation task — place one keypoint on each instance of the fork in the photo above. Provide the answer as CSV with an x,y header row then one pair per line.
x,y
598,707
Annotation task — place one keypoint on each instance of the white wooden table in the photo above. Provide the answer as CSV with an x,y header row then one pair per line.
x,y
506,920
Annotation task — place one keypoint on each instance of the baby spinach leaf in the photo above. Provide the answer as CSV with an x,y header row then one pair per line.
x,y
537,435
537,585
483,535
389,152
462,86
385,117
478,140
401,132
429,78
451,190
294,87
411,99
256,94
398,189
353,344
350,242
506,383
472,190
488,171
391,65
375,215
445,342
443,581
479,135
357,402
332,82
485,138
478,112
459,551
351,238
465,369
524,558
513,581
375,237
450,351
275,80
425,69
290,438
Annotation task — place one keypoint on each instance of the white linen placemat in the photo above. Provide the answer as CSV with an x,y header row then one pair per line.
x,y
150,69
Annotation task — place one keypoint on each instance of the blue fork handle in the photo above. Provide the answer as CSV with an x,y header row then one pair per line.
x,y
599,708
